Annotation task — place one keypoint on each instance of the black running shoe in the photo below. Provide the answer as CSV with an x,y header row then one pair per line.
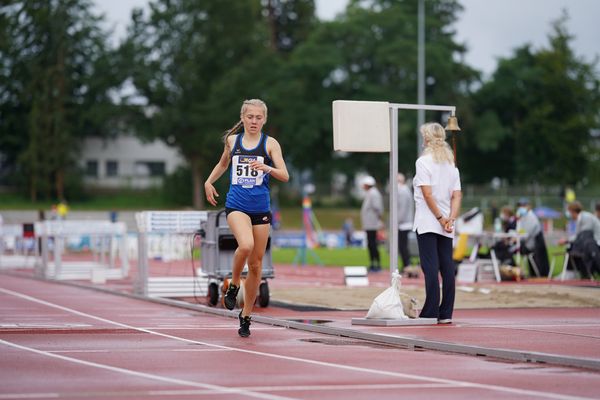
x,y
244,330
231,296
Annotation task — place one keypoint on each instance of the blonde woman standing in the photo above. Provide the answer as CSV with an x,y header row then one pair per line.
x,y
437,194
254,158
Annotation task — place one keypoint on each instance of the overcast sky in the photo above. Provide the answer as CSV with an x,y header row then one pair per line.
x,y
490,28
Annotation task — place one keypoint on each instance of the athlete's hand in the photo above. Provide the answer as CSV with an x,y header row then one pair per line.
x,y
211,193
260,166
449,225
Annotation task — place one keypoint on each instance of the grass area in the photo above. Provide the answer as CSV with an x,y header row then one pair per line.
x,y
328,218
133,200
359,256
329,257
121,200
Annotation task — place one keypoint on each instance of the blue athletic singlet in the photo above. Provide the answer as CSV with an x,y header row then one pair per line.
x,y
249,189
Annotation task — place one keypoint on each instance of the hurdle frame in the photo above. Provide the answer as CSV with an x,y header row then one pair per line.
x,y
162,222
104,232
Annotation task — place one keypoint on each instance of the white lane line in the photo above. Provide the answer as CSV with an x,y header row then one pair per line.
x,y
196,392
135,350
174,381
42,325
13,396
464,384
232,326
318,388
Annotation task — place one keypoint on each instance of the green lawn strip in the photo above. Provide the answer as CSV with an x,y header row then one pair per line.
x,y
338,257
122,200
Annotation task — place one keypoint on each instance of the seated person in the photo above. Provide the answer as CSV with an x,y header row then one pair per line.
x,y
509,221
585,246
534,242
506,248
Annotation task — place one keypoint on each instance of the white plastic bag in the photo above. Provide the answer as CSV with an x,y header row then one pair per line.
x,y
388,305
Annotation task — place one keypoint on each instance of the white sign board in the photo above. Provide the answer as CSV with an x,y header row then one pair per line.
x,y
361,126
356,276
467,273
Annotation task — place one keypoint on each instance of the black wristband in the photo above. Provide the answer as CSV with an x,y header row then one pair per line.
x,y
440,217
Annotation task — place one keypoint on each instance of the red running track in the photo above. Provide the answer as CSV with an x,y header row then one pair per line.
x,y
60,341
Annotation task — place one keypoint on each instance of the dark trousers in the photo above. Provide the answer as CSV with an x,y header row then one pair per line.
x,y
403,247
435,252
373,250
540,255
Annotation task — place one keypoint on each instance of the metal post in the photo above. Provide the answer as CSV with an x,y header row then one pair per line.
x,y
142,277
393,243
421,73
59,246
42,271
124,256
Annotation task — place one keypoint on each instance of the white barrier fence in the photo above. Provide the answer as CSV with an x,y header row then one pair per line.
x,y
16,250
107,241
168,235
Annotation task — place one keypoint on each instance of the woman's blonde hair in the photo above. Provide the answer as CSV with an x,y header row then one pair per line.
x,y
434,137
238,125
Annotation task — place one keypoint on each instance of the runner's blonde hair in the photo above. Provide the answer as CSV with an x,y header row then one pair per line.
x,y
238,125
435,144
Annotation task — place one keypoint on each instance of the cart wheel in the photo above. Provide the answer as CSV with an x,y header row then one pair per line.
x,y
263,294
213,294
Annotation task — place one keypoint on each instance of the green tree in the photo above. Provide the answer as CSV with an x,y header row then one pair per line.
x,y
290,22
55,78
194,63
535,116
177,53
369,53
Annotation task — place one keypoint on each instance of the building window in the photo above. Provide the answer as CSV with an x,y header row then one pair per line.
x,y
91,168
150,168
112,168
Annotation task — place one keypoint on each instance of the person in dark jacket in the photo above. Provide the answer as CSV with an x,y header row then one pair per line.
x,y
584,249
534,242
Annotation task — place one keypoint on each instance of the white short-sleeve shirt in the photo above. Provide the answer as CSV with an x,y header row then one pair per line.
x,y
444,179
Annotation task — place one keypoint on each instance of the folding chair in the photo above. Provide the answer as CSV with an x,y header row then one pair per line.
x,y
563,274
533,264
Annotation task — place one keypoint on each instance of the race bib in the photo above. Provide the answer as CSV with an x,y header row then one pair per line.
x,y
242,174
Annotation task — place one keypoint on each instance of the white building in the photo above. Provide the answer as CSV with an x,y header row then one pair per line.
x,y
127,162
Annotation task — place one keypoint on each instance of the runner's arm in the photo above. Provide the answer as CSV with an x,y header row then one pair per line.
x,y
218,170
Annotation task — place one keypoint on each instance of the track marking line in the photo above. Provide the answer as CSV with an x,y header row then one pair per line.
x,y
160,378
197,392
464,384
135,350
367,386
232,326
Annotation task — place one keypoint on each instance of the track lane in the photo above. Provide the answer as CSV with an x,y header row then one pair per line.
x,y
307,363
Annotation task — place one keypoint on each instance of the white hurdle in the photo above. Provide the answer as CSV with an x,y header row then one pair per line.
x,y
107,239
168,225
16,250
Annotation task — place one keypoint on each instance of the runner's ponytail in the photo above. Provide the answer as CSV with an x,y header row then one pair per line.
x,y
232,131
